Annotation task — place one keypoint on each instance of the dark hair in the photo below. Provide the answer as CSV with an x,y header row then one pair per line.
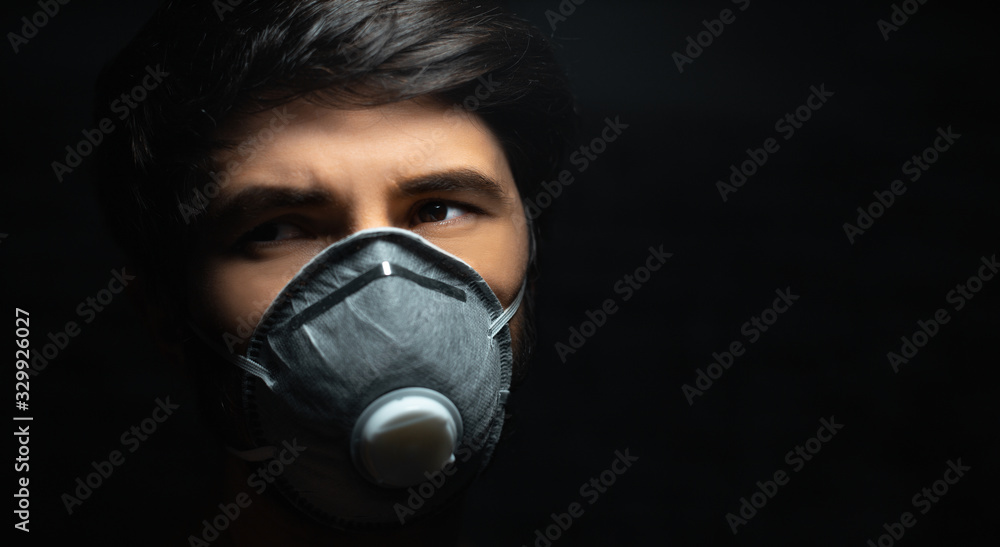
x,y
221,59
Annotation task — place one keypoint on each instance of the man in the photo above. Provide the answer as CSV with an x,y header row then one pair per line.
x,y
268,190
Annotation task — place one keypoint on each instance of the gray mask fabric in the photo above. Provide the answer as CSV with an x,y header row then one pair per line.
x,y
389,360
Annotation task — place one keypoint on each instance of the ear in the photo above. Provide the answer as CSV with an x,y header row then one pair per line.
x,y
532,236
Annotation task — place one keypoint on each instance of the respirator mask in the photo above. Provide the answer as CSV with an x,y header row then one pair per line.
x,y
388,361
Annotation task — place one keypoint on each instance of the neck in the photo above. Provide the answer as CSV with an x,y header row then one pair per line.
x,y
268,520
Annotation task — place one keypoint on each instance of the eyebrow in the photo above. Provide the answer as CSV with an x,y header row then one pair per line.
x,y
256,199
469,180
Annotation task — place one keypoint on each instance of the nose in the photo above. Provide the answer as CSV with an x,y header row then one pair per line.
x,y
371,209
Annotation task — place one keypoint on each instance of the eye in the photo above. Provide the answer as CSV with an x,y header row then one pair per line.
x,y
271,232
439,211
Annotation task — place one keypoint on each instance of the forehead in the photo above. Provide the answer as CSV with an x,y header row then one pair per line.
x,y
302,143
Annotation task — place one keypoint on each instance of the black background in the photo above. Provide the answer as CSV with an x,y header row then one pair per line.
x,y
655,185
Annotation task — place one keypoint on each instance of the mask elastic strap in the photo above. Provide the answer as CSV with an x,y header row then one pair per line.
x,y
509,312
248,365
252,455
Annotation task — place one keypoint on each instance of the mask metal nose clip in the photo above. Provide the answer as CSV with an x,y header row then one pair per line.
x,y
404,435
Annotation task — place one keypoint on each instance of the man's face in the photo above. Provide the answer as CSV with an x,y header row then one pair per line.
x,y
305,176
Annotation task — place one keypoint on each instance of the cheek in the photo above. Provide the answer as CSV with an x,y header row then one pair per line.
x,y
500,255
232,298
